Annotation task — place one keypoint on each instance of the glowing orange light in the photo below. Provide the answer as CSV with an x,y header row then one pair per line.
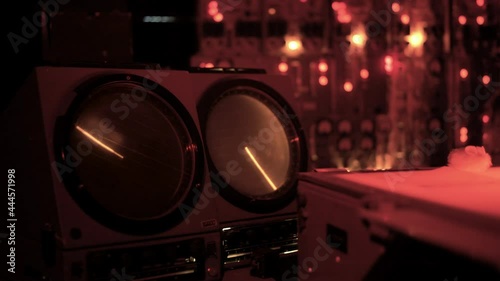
x,y
486,79
358,36
202,64
388,63
357,39
323,66
344,18
101,144
463,134
480,3
323,80
283,67
218,17
416,39
209,65
293,45
348,87
396,7
213,11
364,73
462,20
260,168
405,19
337,6
388,59
271,11
486,119
480,20
213,4
464,73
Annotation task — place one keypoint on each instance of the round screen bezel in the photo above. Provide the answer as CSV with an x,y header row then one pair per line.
x,y
284,195
84,199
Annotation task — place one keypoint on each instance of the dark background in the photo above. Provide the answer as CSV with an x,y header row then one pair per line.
x,y
169,44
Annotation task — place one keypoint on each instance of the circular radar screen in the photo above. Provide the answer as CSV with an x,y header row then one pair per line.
x,y
135,160
248,128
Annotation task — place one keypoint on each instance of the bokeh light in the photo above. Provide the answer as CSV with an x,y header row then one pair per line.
x,y
323,80
348,87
